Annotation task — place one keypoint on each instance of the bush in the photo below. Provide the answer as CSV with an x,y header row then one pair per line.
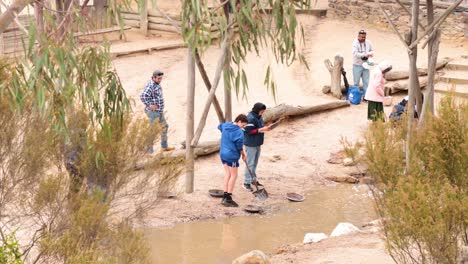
x,y
9,250
425,207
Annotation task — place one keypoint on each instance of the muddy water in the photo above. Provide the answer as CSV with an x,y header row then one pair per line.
x,y
221,241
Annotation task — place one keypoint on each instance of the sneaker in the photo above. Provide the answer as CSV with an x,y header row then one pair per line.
x,y
229,203
168,149
247,187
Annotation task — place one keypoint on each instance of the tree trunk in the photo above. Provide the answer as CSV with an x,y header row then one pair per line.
x,y
2,43
12,11
144,19
99,13
209,100
413,78
206,80
227,90
335,73
433,51
189,154
39,13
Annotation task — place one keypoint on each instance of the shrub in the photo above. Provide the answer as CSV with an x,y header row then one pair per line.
x,y
424,208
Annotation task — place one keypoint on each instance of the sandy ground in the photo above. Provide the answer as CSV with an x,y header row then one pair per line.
x,y
360,248
303,144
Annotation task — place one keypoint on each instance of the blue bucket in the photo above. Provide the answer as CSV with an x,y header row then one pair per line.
x,y
354,95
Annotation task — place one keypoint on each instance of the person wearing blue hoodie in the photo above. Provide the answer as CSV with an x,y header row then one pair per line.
x,y
231,149
253,140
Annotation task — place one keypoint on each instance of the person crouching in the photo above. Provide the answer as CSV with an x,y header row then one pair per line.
x,y
375,92
232,141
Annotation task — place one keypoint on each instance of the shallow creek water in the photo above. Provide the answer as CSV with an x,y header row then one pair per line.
x,y
221,241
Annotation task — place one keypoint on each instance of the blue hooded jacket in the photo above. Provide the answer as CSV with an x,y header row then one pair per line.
x,y
255,123
232,139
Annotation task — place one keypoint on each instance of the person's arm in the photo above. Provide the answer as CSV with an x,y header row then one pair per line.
x,y
239,141
253,129
147,98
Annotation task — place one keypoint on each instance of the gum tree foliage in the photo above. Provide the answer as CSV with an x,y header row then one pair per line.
x,y
257,23
58,98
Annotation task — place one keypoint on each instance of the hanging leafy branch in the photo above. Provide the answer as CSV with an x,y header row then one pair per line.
x,y
258,23
59,75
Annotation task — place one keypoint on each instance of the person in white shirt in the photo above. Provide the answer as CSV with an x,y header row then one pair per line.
x,y
362,51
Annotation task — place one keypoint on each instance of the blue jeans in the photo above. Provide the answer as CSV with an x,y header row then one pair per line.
x,y
358,73
158,116
253,154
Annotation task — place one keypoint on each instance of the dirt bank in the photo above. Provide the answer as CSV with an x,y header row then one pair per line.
x,y
303,145
364,247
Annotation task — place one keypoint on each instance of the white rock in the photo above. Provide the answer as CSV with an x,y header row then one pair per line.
x,y
314,237
348,162
253,257
344,229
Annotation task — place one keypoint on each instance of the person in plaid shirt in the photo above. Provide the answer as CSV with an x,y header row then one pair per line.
x,y
152,98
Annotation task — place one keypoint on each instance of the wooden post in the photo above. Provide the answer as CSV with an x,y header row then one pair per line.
x,y
189,156
335,73
144,19
206,80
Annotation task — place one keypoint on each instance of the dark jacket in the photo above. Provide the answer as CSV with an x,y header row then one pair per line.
x,y
232,140
252,138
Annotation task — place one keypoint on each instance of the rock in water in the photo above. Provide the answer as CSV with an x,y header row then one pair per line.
x,y
314,237
253,257
344,229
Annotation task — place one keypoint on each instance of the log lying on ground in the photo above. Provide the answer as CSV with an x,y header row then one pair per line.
x,y
203,149
284,110
399,75
402,85
132,23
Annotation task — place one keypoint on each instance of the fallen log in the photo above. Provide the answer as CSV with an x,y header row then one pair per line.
x,y
156,13
163,20
203,149
284,110
161,27
399,75
132,23
131,16
403,85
